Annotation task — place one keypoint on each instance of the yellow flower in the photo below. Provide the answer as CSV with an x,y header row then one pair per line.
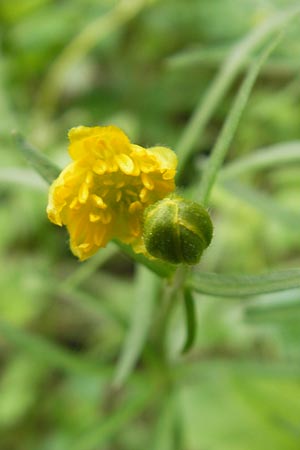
x,y
103,193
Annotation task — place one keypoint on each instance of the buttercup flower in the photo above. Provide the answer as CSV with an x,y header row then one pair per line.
x,y
103,192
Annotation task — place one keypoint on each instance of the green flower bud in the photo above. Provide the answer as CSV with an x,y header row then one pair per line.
x,y
177,230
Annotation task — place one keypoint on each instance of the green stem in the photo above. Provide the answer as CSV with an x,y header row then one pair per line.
x,y
191,322
169,303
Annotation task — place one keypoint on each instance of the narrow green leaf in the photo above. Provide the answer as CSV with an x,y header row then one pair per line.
x,y
44,350
169,432
251,367
145,298
225,137
48,171
215,55
86,269
279,302
265,204
236,286
191,323
91,305
264,158
220,85
98,435
23,177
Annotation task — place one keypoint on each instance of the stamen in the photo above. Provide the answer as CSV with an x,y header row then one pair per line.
x,y
125,163
98,201
74,204
134,207
100,167
112,166
104,192
83,193
94,217
130,192
106,217
118,196
108,182
89,178
147,181
144,195
134,227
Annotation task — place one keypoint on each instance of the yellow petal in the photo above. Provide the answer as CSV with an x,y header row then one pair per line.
x,y
166,157
78,133
112,137
169,174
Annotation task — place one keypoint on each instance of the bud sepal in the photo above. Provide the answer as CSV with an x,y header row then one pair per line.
x,y
177,230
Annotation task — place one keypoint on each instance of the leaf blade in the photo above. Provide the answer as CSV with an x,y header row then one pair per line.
x,y
46,169
236,286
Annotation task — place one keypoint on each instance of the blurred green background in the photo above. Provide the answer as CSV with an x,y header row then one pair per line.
x,y
144,65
